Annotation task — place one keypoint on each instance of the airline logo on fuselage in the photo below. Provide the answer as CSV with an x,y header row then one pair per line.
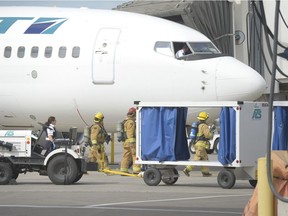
x,y
43,25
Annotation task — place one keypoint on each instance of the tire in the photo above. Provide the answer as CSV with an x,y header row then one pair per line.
x,y
15,172
152,176
253,183
15,175
6,173
226,178
78,177
171,180
191,148
56,170
210,151
216,146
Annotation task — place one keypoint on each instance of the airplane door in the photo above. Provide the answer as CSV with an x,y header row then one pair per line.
x,y
104,56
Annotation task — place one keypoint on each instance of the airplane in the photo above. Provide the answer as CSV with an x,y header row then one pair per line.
x,y
74,62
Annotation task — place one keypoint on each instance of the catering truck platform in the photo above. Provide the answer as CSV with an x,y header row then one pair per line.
x,y
162,140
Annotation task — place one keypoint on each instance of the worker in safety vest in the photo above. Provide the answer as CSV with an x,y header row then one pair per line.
x,y
202,143
129,146
97,136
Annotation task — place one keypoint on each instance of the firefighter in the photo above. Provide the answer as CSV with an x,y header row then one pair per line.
x,y
202,143
129,146
97,136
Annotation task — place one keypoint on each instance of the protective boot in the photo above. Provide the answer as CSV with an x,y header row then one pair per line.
x,y
186,172
208,174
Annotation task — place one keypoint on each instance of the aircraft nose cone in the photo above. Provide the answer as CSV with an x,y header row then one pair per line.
x,y
234,79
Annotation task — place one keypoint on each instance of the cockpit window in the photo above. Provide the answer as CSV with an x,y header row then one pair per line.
x,y
203,48
185,48
181,49
164,48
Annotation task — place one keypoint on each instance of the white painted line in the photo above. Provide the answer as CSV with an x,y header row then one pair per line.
x,y
167,200
109,206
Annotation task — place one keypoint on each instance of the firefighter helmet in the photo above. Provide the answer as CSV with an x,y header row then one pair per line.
x,y
203,116
98,117
131,112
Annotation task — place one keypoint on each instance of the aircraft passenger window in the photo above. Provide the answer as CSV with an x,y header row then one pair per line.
x,y
76,52
203,47
34,52
21,52
62,52
163,48
48,52
7,52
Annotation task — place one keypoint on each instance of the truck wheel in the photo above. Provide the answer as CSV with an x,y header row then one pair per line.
x,y
15,174
191,148
216,147
210,151
152,176
5,173
173,177
253,182
226,178
78,177
59,173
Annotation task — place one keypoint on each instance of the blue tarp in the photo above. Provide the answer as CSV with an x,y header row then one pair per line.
x,y
280,136
227,143
163,135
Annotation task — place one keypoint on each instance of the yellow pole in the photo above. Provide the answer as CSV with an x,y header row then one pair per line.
x,y
112,148
265,196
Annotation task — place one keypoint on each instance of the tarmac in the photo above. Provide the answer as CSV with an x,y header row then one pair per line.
x,y
100,194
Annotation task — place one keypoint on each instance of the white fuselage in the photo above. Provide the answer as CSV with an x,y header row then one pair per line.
x,y
115,63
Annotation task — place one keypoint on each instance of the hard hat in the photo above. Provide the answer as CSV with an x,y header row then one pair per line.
x,y
98,117
203,116
132,110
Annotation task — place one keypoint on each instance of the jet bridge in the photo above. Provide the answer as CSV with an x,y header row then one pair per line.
x,y
162,142
200,15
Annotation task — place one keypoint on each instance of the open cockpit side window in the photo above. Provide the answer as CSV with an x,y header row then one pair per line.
x,y
181,49
193,48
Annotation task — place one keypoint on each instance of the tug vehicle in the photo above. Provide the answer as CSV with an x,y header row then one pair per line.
x,y
21,153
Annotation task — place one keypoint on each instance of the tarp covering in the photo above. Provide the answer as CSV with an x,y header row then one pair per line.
x,y
163,135
280,136
227,143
